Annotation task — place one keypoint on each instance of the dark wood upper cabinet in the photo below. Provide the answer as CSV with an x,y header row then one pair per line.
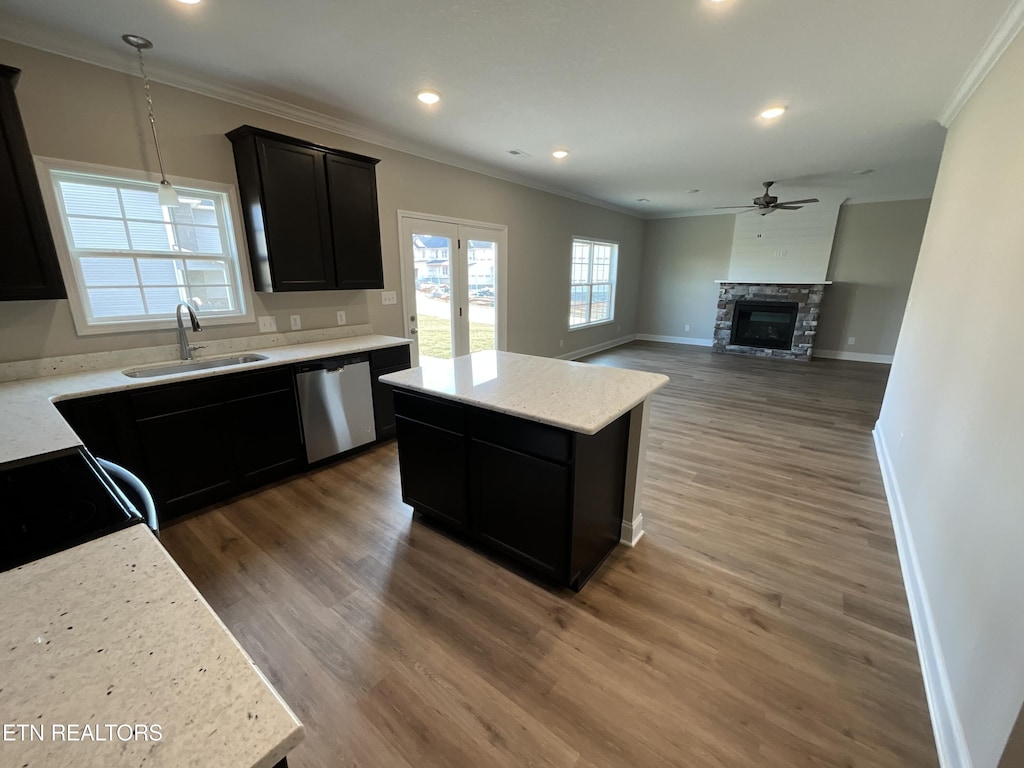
x,y
28,260
310,213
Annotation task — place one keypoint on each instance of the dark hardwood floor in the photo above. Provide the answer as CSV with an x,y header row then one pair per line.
x,y
761,621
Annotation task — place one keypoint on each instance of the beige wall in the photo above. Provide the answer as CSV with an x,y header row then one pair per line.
x,y
80,112
872,265
682,259
873,259
952,421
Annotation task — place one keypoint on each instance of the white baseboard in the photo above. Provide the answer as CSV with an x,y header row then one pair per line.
x,y
675,339
949,735
631,533
858,357
578,353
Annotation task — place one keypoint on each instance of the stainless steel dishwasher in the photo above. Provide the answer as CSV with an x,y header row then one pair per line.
x,y
336,402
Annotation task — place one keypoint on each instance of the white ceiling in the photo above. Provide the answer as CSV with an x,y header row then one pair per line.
x,y
652,98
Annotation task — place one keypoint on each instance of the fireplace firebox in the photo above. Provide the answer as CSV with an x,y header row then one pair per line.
x,y
764,324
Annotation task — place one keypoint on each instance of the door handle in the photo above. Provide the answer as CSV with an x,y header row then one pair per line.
x,y
413,330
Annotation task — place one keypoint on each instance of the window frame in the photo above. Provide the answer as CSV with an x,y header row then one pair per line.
x,y
613,279
71,271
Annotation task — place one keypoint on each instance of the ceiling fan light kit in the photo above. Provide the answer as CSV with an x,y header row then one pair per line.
x,y
769,203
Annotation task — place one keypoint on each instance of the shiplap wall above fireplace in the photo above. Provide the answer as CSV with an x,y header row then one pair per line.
x,y
785,246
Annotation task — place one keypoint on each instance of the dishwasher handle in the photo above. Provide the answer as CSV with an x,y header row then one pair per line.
x,y
332,364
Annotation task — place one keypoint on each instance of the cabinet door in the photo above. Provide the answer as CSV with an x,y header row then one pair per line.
x,y
382,361
352,189
433,469
520,505
268,444
295,213
105,426
28,268
189,456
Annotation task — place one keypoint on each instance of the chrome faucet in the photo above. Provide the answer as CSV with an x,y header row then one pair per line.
x,y
186,348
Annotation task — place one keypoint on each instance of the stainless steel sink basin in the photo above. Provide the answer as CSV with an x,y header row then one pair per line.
x,y
191,365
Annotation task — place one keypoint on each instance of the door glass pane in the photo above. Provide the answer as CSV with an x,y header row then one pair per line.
x,y
432,264
482,257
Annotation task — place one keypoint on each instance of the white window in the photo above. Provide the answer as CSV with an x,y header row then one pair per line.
x,y
129,261
592,292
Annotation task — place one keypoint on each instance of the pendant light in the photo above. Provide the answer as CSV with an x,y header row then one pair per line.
x,y
165,194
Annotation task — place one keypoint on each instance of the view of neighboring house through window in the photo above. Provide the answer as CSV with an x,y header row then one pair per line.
x,y
592,293
134,260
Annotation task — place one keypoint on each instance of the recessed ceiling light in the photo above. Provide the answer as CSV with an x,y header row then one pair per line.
x,y
558,154
428,96
188,2
772,112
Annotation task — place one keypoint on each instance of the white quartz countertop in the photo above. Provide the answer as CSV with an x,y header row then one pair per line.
x,y
579,397
112,633
32,426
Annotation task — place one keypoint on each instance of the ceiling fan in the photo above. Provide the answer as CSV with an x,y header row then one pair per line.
x,y
767,203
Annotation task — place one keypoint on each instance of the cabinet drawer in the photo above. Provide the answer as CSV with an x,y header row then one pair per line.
x,y
524,436
172,398
429,410
392,357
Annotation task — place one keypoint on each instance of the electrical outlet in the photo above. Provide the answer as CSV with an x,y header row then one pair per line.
x,y
296,322
388,297
851,341
561,343
686,328
268,323
341,317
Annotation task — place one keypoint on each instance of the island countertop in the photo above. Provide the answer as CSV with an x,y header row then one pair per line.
x,y
579,397
112,633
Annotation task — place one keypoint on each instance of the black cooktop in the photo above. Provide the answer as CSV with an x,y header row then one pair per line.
x,y
54,504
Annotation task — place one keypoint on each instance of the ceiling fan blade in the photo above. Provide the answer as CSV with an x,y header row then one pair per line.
x,y
723,207
787,207
798,202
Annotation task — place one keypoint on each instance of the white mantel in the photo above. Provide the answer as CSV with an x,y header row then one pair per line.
x,y
774,282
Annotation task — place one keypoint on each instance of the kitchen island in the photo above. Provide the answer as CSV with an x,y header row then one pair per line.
x,y
539,460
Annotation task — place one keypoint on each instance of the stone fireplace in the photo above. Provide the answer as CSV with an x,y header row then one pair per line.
x,y
768,319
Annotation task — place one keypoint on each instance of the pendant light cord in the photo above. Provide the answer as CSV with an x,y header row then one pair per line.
x,y
152,117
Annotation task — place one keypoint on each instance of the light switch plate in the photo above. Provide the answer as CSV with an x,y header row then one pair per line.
x,y
388,297
851,341
268,324
686,328
341,317
296,322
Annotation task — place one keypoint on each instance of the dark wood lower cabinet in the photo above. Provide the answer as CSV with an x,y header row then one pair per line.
x,y
545,497
187,458
382,361
198,442
519,505
433,468
267,436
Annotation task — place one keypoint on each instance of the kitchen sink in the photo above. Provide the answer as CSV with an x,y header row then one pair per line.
x,y
191,365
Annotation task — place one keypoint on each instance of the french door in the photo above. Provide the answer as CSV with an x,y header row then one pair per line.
x,y
452,278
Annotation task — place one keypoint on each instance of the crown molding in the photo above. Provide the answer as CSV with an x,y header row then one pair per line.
x,y
23,32
1005,32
